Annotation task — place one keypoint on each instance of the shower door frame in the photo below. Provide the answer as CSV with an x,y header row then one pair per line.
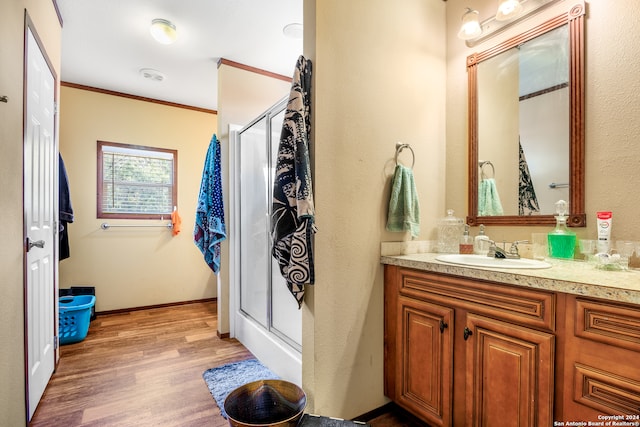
x,y
280,353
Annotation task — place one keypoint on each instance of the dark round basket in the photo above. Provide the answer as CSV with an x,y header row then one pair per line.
x,y
274,403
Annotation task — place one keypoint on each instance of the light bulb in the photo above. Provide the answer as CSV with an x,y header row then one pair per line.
x,y
163,31
470,27
508,9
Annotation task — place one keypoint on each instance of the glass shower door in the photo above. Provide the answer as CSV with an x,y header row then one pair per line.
x,y
267,319
254,221
286,318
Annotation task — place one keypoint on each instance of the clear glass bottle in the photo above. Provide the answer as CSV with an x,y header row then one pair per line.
x,y
562,241
450,230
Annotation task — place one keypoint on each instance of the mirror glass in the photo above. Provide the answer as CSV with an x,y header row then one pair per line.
x,y
526,139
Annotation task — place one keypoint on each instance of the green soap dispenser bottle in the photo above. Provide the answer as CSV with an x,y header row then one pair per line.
x,y
562,241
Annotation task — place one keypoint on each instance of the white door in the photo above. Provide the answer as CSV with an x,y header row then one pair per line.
x,y
40,162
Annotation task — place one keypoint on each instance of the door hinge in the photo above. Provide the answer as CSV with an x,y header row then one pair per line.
x,y
56,342
55,108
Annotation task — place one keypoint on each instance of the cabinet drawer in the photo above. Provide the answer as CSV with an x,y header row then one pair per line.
x,y
514,304
609,323
605,392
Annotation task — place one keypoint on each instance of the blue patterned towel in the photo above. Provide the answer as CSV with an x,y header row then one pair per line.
x,y
292,218
210,229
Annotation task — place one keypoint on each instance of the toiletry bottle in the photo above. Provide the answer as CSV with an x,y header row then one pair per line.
x,y
481,242
450,229
466,241
562,241
605,218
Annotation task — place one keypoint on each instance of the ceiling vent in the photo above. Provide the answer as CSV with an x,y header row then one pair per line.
x,y
151,74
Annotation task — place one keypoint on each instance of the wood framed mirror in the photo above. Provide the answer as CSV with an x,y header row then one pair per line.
x,y
526,132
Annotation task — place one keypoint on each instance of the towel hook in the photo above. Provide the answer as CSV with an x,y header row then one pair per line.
x,y
482,164
399,147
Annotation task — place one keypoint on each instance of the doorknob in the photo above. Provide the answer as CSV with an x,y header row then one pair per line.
x,y
37,244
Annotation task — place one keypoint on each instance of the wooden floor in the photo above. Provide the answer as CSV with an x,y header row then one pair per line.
x,y
144,368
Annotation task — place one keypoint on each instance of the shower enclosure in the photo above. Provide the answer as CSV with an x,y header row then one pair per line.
x,y
264,315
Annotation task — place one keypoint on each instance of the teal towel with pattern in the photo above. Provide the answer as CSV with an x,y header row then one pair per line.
x,y
404,208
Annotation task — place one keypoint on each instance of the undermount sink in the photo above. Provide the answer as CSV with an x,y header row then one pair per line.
x,y
489,262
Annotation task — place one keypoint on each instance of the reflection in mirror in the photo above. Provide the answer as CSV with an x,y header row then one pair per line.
x,y
523,125
526,133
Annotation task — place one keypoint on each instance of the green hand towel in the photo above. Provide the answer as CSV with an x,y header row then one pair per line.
x,y
404,209
488,198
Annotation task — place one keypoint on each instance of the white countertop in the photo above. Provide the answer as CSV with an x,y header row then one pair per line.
x,y
572,277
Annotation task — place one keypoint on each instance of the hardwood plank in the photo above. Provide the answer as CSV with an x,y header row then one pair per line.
x,y
144,368
141,368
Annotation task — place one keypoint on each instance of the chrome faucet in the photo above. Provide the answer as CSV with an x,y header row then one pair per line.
x,y
496,252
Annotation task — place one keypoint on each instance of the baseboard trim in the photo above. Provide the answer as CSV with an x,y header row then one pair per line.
x,y
391,408
384,409
147,307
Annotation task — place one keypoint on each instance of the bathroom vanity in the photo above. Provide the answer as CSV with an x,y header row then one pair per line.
x,y
467,346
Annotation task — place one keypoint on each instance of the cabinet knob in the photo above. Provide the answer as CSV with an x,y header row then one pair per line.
x,y
443,326
467,333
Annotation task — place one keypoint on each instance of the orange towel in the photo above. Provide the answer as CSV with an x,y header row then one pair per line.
x,y
175,222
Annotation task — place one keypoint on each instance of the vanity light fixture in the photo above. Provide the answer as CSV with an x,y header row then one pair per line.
x,y
470,27
163,31
508,9
510,12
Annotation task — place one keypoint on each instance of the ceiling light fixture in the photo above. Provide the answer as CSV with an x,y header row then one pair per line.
x,y
470,27
163,31
508,9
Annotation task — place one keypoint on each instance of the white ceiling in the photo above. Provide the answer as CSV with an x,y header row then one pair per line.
x,y
106,42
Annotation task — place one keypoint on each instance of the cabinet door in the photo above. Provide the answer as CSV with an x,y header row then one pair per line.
x,y
424,367
509,374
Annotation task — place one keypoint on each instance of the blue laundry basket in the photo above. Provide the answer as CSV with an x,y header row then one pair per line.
x,y
74,317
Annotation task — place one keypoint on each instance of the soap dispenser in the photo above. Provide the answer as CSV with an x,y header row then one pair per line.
x,y
466,241
481,242
562,241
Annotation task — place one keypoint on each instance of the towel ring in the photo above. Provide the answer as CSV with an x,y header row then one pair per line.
x,y
482,164
399,147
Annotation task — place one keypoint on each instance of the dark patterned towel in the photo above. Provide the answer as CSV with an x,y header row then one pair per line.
x,y
527,200
292,218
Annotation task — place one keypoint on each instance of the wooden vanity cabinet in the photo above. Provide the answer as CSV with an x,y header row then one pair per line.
x,y
462,352
602,364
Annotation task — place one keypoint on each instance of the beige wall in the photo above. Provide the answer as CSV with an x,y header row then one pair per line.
x,y
379,77
612,95
133,267
379,73
46,25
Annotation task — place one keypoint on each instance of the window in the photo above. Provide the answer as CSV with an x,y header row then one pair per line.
x,y
136,182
